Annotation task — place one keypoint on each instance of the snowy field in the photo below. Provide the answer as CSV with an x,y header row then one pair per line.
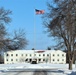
x,y
36,69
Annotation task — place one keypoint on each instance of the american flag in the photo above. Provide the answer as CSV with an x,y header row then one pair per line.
x,y
39,11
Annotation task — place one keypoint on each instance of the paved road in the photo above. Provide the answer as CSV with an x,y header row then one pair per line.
x,y
25,73
34,72
41,72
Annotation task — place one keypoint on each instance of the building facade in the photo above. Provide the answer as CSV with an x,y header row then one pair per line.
x,y
41,56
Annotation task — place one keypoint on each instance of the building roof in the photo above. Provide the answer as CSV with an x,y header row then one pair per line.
x,y
36,51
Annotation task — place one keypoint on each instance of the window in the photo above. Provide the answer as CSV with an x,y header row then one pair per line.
x,y
39,54
53,54
35,54
11,59
57,54
16,54
16,59
58,60
11,54
30,54
39,59
43,54
43,59
7,55
53,60
30,60
62,54
47,54
22,55
7,60
62,59
26,54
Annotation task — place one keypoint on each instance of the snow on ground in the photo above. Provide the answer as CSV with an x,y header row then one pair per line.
x,y
53,69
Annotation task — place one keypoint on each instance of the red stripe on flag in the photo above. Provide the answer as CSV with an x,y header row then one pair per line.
x,y
39,11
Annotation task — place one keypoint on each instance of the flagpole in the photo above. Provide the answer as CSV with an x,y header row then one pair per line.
x,y
34,30
34,33
36,12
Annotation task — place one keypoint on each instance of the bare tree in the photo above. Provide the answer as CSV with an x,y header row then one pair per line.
x,y
4,19
60,22
18,41
48,48
33,48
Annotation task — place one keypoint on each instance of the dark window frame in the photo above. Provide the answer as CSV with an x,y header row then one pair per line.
x,y
57,59
43,54
39,59
39,54
62,54
16,54
53,59
11,59
7,54
11,54
6,59
47,54
43,59
53,54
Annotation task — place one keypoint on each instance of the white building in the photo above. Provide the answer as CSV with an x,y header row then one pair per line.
x,y
41,56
